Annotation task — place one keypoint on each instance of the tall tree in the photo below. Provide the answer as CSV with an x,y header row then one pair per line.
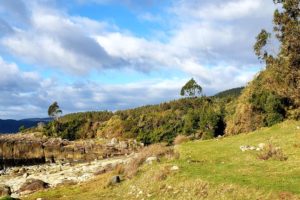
x,y
191,89
54,111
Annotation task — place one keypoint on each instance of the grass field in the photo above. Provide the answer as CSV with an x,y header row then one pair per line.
x,y
213,169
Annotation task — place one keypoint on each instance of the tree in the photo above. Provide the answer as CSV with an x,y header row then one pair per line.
x,y
261,41
286,64
54,111
191,89
22,128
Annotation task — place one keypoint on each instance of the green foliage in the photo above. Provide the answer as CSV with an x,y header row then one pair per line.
x,y
269,104
199,117
191,89
261,41
274,94
162,123
77,125
54,110
231,93
22,128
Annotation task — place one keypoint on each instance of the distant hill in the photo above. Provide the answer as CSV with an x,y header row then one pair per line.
x,y
234,92
12,126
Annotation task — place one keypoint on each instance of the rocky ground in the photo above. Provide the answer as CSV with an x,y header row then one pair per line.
x,y
55,174
29,162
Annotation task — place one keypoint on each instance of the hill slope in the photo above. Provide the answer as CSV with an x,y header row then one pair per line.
x,y
212,169
12,126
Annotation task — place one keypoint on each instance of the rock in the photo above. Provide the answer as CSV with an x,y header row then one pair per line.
x,y
247,148
174,168
298,127
39,199
115,180
5,190
243,148
150,160
114,141
252,148
2,172
123,145
261,145
32,185
25,175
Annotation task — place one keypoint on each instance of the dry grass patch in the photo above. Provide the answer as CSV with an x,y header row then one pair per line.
x,y
272,152
162,174
155,150
180,139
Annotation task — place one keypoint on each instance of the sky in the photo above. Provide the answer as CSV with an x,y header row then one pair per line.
x,y
116,54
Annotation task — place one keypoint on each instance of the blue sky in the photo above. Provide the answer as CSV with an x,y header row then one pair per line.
x,y
112,54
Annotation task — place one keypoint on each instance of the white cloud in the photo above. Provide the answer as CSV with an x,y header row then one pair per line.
x,y
57,41
208,40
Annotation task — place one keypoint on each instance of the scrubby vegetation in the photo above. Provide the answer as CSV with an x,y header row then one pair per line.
x,y
274,94
198,117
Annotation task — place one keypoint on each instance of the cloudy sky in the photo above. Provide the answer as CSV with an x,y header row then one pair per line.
x,y
117,54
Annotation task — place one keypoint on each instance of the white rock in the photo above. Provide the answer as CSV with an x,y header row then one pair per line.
x,y
261,145
114,141
243,148
150,160
174,168
298,127
252,148
25,175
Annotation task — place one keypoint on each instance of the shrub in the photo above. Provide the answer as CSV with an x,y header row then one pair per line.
x,y
162,174
180,139
272,152
157,150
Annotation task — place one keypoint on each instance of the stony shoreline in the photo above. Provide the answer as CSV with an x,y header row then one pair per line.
x,y
27,149
55,174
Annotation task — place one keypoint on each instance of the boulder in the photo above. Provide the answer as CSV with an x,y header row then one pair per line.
x,y
114,141
33,185
150,160
5,190
123,145
261,145
115,180
174,168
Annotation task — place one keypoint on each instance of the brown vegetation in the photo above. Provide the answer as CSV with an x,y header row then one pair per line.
x,y
272,152
180,139
157,150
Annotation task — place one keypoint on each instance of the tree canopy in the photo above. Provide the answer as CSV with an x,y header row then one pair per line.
x,y
54,111
191,89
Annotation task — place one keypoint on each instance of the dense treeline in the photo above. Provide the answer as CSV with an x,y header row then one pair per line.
x,y
77,125
199,117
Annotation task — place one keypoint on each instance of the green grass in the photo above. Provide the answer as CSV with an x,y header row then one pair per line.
x,y
214,169
221,161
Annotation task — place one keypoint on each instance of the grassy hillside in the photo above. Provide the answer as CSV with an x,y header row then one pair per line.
x,y
211,169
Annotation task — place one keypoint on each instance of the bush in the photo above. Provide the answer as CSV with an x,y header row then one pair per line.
x,y
270,105
157,150
272,152
180,139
